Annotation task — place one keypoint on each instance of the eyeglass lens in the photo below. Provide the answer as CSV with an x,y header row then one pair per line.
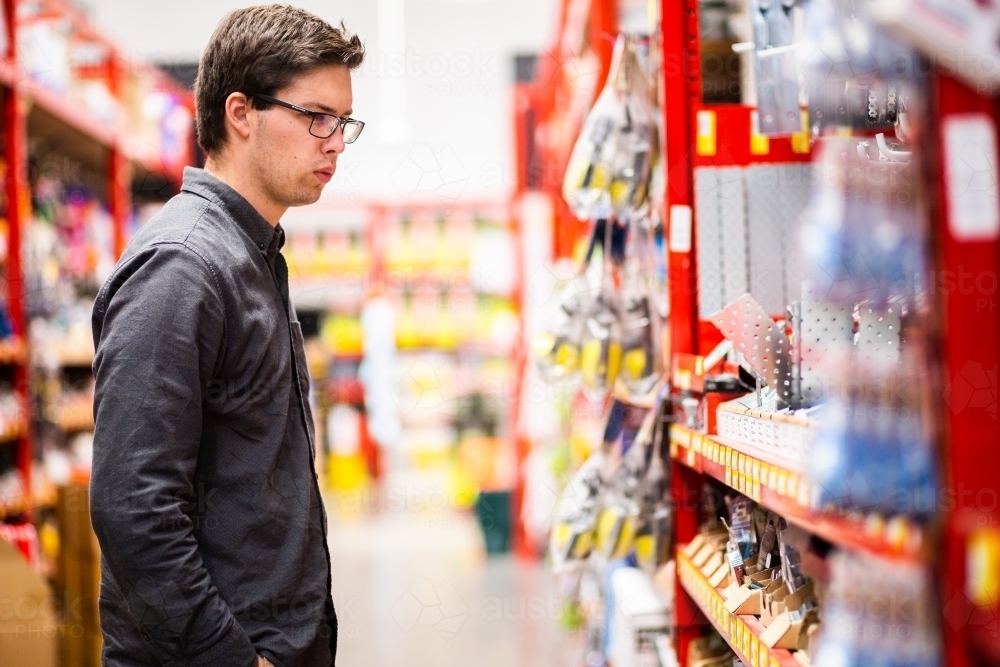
x,y
323,126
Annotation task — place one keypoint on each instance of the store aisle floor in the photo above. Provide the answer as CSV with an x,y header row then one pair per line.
x,y
413,587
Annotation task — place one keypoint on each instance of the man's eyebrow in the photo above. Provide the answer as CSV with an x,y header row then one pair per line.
x,y
327,110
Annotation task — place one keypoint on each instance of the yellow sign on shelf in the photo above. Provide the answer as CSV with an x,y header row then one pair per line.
x,y
759,143
705,141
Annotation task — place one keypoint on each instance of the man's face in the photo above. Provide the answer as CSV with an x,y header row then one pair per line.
x,y
291,165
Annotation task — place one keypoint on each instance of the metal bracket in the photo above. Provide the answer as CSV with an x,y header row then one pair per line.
x,y
760,340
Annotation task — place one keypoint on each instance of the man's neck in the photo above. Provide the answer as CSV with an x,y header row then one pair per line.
x,y
237,180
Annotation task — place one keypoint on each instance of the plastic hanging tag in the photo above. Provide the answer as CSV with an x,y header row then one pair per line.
x,y
610,167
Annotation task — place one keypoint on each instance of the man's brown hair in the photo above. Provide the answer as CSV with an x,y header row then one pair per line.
x,y
260,50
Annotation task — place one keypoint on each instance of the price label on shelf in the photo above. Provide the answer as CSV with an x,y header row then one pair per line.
x,y
804,493
754,651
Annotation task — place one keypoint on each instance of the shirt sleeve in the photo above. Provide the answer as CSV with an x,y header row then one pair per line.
x,y
159,328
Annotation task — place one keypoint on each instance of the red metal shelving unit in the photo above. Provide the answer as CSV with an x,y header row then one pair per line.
x,y
124,159
971,328
548,114
971,340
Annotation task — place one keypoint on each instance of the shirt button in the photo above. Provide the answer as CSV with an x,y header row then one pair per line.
x,y
262,245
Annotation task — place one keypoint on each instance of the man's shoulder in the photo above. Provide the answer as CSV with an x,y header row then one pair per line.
x,y
189,221
175,222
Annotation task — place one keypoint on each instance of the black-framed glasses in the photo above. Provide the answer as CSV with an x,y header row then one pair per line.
x,y
323,125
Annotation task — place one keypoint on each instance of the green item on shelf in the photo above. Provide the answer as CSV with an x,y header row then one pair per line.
x,y
493,513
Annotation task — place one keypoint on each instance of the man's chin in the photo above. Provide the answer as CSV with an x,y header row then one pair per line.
x,y
307,196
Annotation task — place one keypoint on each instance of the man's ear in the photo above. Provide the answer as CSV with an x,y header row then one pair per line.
x,y
237,107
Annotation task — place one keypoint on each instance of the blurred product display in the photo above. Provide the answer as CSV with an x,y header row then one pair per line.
x,y
827,176
417,319
92,141
723,357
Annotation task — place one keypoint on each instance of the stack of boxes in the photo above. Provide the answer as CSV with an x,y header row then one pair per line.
x,y
79,580
27,613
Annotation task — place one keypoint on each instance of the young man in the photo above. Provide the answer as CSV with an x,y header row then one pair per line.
x,y
204,496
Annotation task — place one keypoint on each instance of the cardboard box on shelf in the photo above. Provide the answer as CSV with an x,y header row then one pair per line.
x,y
788,629
78,580
28,634
78,649
747,599
773,601
708,651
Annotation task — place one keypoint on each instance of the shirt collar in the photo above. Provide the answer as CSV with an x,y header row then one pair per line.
x,y
266,237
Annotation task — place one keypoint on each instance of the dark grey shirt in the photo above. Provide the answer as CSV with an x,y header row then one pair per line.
x,y
204,495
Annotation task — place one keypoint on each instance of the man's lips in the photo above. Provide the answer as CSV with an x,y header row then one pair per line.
x,y
324,175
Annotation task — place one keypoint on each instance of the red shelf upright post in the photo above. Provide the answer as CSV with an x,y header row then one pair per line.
x,y
971,338
18,212
119,170
682,95
119,199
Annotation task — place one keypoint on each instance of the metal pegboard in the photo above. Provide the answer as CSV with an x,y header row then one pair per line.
x,y
796,191
825,341
721,212
708,232
734,229
761,342
776,197
878,335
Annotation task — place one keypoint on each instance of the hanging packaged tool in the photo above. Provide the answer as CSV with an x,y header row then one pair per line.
x,y
880,612
856,75
652,541
641,318
610,166
776,66
556,349
601,350
861,236
572,537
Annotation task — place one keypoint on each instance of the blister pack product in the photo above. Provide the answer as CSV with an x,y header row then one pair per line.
x,y
610,167
853,70
878,612
556,349
791,562
861,235
572,537
740,510
874,449
601,346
